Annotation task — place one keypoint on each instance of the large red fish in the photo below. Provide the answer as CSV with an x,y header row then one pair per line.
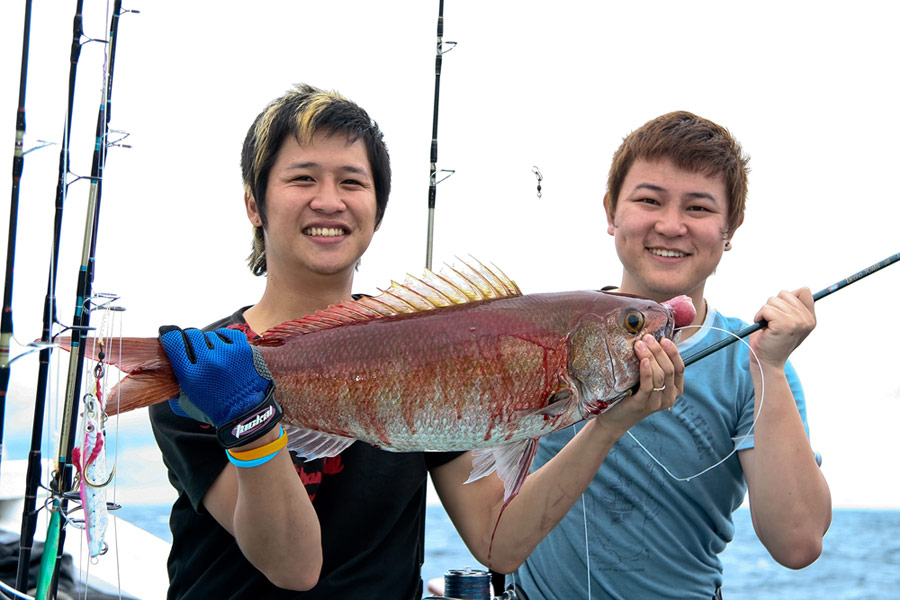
x,y
454,361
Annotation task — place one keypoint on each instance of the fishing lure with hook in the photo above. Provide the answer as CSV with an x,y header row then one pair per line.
x,y
90,456
90,463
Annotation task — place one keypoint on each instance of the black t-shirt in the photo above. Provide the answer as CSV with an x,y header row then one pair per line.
x,y
370,504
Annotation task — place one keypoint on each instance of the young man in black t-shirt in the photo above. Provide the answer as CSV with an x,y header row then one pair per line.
x,y
258,522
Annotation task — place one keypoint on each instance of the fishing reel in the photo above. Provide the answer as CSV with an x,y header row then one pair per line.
x,y
470,584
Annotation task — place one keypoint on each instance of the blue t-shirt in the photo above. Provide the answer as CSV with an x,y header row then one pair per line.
x,y
638,532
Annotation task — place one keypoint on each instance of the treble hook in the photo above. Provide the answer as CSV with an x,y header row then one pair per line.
x,y
540,177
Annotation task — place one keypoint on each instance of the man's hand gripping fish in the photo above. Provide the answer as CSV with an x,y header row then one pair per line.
x,y
459,360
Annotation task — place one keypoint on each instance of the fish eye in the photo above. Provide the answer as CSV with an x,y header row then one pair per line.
x,y
634,321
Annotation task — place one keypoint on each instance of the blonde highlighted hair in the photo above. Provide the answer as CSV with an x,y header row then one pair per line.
x,y
303,111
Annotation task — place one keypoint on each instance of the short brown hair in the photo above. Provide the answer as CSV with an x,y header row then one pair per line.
x,y
692,143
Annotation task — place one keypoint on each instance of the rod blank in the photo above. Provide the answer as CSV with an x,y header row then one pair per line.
x,y
817,296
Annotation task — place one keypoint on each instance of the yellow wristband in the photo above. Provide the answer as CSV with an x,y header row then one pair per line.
x,y
270,448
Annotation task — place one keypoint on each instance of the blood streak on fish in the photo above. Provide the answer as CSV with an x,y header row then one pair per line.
x,y
459,360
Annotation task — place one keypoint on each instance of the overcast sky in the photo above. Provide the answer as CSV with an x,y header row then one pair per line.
x,y
808,88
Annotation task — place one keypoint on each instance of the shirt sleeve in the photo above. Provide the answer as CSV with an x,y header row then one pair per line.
x,y
190,451
437,459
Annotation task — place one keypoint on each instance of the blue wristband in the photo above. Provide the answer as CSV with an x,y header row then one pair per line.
x,y
257,456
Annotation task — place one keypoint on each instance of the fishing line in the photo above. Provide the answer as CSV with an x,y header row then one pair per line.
x,y
587,553
117,329
739,442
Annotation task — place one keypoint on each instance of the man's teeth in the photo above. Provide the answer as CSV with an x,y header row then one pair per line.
x,y
667,253
324,231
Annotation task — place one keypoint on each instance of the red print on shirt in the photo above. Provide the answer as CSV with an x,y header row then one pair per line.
x,y
333,465
312,472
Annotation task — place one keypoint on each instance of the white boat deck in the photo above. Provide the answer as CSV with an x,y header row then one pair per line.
x,y
135,563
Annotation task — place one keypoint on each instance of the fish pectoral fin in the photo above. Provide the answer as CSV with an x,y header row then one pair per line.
x,y
558,403
311,444
511,461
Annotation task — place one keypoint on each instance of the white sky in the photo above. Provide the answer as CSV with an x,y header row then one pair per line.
x,y
808,88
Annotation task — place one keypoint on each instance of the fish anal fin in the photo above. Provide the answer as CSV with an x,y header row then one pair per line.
x,y
512,462
311,444
455,285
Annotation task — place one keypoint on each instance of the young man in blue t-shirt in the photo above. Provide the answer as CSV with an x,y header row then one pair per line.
x,y
646,527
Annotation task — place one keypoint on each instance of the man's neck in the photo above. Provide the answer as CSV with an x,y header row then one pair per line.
x,y
282,302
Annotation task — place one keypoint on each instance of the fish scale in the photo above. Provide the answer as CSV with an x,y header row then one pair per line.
x,y
426,373
458,360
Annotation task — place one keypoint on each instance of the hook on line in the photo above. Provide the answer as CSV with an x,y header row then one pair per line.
x,y
540,178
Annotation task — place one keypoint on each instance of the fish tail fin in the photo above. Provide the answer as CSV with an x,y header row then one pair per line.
x,y
150,379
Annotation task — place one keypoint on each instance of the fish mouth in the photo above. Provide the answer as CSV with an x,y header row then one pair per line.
x,y
667,330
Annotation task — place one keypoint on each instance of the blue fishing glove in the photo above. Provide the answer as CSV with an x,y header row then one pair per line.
x,y
224,382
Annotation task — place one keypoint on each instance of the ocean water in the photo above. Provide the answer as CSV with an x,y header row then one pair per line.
x,y
861,557
860,560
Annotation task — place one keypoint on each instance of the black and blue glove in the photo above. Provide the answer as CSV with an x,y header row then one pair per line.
x,y
224,382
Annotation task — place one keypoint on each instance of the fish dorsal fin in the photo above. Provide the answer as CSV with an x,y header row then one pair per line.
x,y
453,285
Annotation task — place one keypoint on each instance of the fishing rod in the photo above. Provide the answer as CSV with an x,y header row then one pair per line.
x,y
33,473
817,296
62,483
6,321
433,180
